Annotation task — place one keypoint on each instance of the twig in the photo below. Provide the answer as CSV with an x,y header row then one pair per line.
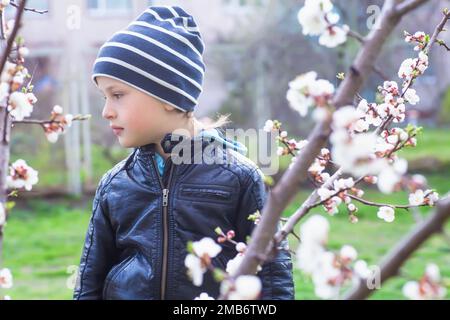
x,y
392,262
42,122
29,9
442,43
376,204
356,35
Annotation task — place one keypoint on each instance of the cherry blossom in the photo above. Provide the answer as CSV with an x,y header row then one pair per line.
x,y
21,105
317,19
329,271
6,279
420,197
386,213
58,124
204,296
428,287
312,16
195,268
334,36
306,91
21,176
245,287
197,262
206,247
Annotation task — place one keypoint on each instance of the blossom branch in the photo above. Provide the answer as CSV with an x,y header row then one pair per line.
x,y
391,263
5,119
283,193
375,204
42,122
439,28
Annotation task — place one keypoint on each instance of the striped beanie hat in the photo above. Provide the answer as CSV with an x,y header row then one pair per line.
x,y
159,53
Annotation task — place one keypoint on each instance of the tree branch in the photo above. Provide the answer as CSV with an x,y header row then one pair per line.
x,y
406,6
376,204
391,263
29,9
283,193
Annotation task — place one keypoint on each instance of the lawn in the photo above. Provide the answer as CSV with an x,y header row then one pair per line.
x,y
43,240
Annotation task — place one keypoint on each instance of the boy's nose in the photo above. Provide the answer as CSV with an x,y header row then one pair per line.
x,y
108,113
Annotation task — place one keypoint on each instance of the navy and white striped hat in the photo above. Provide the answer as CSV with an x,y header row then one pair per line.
x,y
159,53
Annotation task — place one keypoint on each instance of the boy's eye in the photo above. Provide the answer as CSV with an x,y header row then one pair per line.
x,y
117,95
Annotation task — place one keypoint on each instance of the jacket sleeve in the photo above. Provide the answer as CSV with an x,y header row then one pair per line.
x,y
276,275
98,252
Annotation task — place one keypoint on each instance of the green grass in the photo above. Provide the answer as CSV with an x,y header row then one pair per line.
x,y
41,243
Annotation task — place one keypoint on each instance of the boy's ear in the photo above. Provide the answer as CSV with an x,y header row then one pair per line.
x,y
168,107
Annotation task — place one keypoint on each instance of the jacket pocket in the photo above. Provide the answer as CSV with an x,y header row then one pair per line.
x,y
205,193
131,279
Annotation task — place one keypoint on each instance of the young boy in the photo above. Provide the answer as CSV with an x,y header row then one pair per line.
x,y
148,207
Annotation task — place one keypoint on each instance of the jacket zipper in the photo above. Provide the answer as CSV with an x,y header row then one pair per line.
x,y
165,205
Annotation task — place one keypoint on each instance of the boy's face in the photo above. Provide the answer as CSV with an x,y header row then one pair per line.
x,y
135,118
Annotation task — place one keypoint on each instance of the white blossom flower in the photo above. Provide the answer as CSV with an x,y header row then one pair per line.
x,y
417,198
388,179
432,272
333,36
344,117
246,287
204,296
206,246
21,176
321,87
19,106
268,126
406,69
386,213
411,96
432,197
24,51
348,253
240,247
324,193
6,279
233,264
195,269
308,255
312,16
361,269
52,137
58,109
315,230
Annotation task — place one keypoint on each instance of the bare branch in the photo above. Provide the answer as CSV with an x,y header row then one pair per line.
x,y
391,263
356,35
42,122
29,9
438,30
406,6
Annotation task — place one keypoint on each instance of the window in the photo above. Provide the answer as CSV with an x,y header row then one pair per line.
x,y
109,7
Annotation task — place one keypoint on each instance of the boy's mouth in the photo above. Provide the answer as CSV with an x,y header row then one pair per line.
x,y
117,130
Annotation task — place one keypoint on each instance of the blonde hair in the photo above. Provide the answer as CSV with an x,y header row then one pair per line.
x,y
207,123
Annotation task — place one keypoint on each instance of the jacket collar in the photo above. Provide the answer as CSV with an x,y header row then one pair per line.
x,y
206,137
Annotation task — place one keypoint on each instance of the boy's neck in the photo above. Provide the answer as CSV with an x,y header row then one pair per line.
x,y
191,127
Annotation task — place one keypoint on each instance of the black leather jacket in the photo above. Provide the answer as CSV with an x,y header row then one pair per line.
x,y
141,222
